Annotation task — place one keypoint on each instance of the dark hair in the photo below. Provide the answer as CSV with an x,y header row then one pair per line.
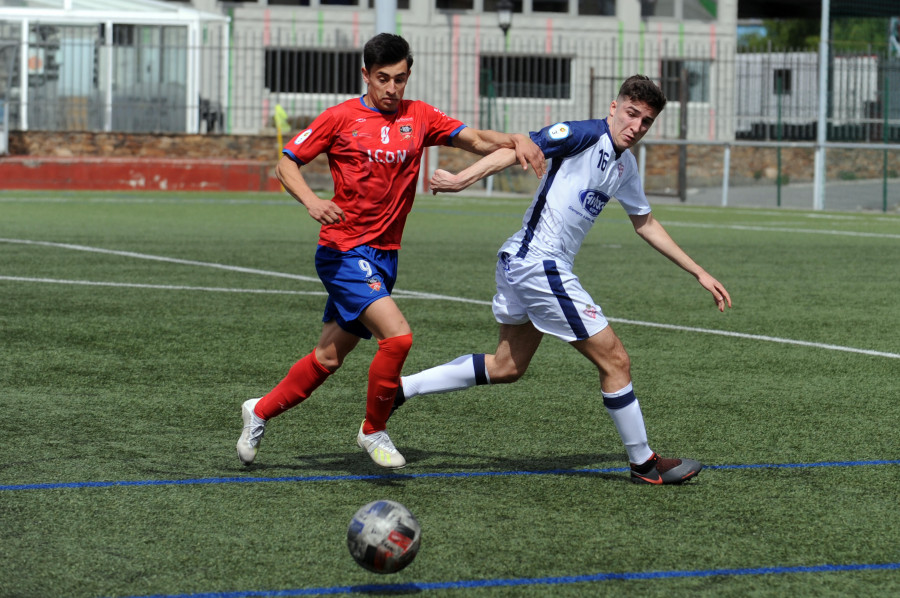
x,y
639,88
384,49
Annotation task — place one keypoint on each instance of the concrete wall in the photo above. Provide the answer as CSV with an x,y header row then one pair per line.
x,y
116,161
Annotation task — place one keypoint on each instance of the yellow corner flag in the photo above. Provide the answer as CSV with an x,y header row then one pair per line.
x,y
281,124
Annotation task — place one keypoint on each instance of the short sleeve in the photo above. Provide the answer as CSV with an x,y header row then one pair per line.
x,y
441,129
313,140
566,138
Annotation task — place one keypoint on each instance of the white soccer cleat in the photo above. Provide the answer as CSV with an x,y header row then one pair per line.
x,y
254,428
380,448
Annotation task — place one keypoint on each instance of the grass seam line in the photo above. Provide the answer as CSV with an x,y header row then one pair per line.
x,y
532,581
411,476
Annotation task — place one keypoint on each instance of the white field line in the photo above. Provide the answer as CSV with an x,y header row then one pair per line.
x,y
157,258
760,337
159,287
168,287
397,293
452,201
774,229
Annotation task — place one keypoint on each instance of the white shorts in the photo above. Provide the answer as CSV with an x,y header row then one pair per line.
x,y
548,295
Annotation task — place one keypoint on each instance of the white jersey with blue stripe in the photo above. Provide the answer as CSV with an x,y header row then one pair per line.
x,y
583,173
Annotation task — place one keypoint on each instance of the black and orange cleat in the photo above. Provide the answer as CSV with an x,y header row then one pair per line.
x,y
657,470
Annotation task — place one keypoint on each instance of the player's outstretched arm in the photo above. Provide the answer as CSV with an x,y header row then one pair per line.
x,y
653,233
486,141
447,182
321,210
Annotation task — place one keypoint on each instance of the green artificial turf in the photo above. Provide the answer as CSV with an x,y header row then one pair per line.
x,y
122,394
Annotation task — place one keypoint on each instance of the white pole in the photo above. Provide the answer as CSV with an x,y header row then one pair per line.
x,y
25,50
192,84
385,16
108,84
642,163
224,74
821,133
726,172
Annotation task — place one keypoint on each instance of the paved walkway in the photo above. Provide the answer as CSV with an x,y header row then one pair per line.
x,y
839,195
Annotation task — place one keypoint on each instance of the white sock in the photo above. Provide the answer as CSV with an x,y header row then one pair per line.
x,y
461,373
625,411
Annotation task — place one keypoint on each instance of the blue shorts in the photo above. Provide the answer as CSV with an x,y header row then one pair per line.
x,y
354,279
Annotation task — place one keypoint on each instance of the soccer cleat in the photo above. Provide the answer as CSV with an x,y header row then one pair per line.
x,y
254,428
380,448
657,470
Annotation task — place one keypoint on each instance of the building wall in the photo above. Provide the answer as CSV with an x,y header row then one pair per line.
x,y
447,46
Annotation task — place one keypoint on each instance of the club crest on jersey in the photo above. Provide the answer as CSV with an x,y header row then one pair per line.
x,y
302,137
374,284
621,169
406,131
559,131
593,201
591,311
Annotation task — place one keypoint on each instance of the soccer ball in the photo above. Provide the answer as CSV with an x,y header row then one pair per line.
x,y
384,536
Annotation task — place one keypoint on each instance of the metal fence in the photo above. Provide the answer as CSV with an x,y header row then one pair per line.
x,y
715,92
149,78
777,97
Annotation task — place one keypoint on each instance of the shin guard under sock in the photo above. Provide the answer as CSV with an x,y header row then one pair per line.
x,y
463,372
303,378
625,411
384,378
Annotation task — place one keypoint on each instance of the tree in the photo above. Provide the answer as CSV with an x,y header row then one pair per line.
x,y
847,34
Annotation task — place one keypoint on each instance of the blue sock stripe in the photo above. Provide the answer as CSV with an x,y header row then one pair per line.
x,y
480,372
621,401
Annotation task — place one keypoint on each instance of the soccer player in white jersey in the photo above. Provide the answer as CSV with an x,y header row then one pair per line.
x,y
589,162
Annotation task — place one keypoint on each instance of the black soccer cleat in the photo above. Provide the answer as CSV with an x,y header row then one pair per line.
x,y
658,471
399,399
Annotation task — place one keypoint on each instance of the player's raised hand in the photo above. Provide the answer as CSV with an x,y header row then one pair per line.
x,y
527,152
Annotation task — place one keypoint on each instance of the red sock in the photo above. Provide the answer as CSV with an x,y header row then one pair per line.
x,y
303,378
384,378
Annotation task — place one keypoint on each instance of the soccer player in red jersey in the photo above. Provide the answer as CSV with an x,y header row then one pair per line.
x,y
374,144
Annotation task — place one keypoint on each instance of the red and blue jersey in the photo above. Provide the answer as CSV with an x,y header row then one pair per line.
x,y
374,159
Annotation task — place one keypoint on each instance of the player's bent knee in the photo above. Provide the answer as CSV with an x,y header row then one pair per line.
x,y
505,374
616,364
397,346
623,361
330,361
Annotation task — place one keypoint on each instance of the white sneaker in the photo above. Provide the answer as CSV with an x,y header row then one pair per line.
x,y
380,448
254,428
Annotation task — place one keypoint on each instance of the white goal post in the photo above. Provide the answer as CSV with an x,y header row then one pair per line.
x,y
8,52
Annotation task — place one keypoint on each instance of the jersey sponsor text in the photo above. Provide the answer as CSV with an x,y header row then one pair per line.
x,y
387,156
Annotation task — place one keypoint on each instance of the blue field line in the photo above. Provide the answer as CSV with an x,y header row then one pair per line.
x,y
534,581
412,476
